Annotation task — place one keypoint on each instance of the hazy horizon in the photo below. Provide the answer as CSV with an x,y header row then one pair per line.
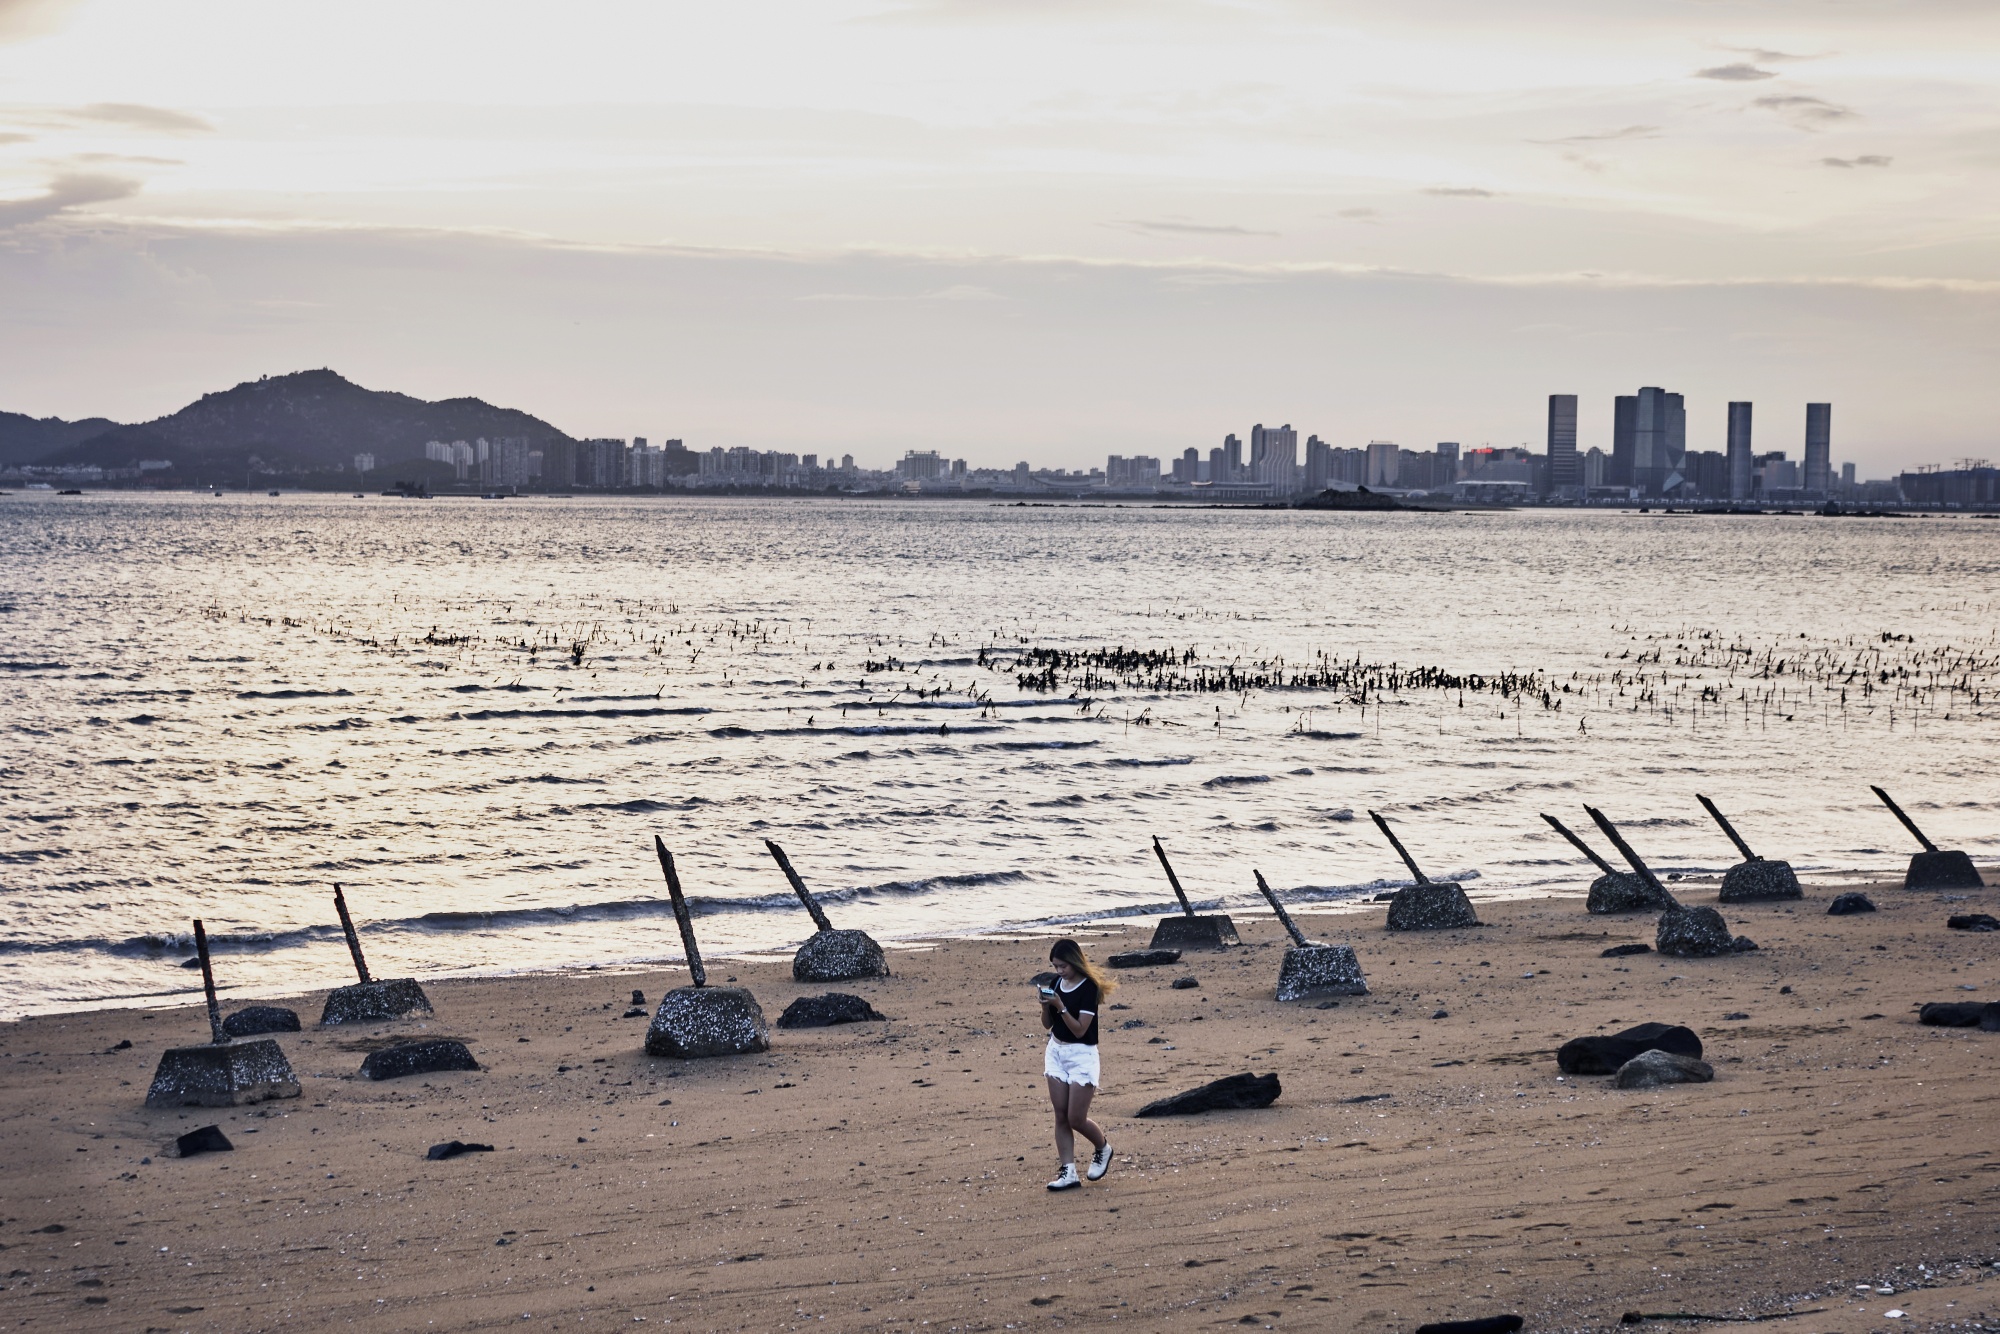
x,y
1015,232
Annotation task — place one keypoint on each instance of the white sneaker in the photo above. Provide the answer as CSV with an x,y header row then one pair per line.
x,y
1066,1179
1100,1163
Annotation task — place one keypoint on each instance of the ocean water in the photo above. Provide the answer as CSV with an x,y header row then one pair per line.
x,y
954,716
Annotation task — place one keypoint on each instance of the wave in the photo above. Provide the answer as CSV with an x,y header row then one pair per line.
x,y
33,666
869,729
484,715
1236,780
293,694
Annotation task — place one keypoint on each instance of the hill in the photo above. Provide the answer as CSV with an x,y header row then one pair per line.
x,y
305,422
25,439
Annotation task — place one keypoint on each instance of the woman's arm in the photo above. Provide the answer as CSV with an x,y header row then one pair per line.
x,y
1077,1025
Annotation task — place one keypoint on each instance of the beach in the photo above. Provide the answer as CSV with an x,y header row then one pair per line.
x,y
1425,1161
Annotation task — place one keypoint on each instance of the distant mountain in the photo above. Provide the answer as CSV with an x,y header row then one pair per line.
x,y
24,439
302,422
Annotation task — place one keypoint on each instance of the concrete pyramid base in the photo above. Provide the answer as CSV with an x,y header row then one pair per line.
x,y
1693,933
1942,870
707,1021
1751,882
1212,931
375,1002
839,956
1621,891
1434,906
1320,970
232,1074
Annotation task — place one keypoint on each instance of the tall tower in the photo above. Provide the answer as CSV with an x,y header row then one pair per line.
x,y
1624,439
1742,461
1563,464
1818,477
1274,456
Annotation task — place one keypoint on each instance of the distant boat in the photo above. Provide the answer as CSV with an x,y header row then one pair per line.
x,y
359,496
270,493
71,492
493,495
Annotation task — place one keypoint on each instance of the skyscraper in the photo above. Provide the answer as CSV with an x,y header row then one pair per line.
x,y
1742,462
1384,462
1274,457
1564,472
1659,439
1818,479
1624,433
1232,460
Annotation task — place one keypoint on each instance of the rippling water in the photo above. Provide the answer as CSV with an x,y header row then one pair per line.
x,y
476,715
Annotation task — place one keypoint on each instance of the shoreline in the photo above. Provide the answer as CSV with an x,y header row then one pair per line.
x,y
1425,1160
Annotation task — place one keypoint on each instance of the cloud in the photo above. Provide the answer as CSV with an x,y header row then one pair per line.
x,y
1188,228
131,115
30,18
1806,113
65,192
1865,160
1460,192
1738,72
1605,136
1765,57
1360,214
17,138
955,292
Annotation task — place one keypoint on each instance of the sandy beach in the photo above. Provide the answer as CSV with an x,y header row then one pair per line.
x,y
1425,1161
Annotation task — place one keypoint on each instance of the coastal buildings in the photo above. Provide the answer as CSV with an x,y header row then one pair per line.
x,y
1741,463
1819,448
1565,471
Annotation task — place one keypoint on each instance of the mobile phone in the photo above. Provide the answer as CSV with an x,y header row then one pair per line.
x,y
1047,993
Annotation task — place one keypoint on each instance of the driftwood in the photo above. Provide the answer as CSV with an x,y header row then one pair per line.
x,y
681,917
1284,918
353,940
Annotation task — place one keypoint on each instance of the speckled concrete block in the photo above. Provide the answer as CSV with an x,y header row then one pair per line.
x,y
1749,882
1694,933
251,1020
707,1021
1942,870
433,1056
231,1074
375,1002
839,956
1209,931
1320,970
1436,905
1622,891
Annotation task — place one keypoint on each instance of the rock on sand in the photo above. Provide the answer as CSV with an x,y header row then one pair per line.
x,y
1694,933
1652,1069
1435,905
839,956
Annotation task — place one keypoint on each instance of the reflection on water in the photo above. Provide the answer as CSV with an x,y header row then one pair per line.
x,y
953,715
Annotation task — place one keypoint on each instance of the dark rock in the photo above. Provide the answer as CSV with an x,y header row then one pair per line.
x,y
254,1019
208,1139
1622,891
1384,897
1233,1093
1186,983
638,996
1973,921
1752,882
191,963
1743,945
636,1012
1442,1014
1693,933
1210,932
835,1007
1653,1069
1602,1055
708,1021
1625,951
418,1058
1942,870
375,1002
839,956
1845,905
1961,1014
1043,979
1436,905
1492,1324
123,1044
1734,1015
453,1148
1143,958
1785,990
233,1074
1320,970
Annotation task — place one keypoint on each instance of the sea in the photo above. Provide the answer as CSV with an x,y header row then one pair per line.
x,y
954,716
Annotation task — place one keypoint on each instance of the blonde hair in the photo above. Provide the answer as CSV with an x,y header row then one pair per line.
x,y
1072,953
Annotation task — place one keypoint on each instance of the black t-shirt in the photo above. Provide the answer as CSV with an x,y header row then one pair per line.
x,y
1079,1002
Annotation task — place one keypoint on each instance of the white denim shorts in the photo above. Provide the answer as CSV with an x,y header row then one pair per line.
x,y
1071,1062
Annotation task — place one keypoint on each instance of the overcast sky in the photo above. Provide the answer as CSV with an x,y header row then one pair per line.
x,y
1017,229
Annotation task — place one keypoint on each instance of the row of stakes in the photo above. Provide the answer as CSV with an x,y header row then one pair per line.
x,y
702,1020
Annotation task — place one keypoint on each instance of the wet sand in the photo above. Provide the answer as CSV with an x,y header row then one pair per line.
x,y
890,1175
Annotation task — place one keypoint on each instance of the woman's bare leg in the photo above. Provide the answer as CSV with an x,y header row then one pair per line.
x,y
1059,1099
1077,1116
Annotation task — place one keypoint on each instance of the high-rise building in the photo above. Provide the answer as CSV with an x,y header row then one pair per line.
x,y
1274,457
1447,462
1595,464
1847,476
1384,463
921,465
1659,439
1624,439
1707,473
1232,460
1742,461
1818,479
1187,468
1564,473
366,463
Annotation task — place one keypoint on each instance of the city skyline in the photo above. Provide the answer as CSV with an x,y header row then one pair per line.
x,y
1022,230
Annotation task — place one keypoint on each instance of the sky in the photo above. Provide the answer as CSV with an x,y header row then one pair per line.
x,y
1040,230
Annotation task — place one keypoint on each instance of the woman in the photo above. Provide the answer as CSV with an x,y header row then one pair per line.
x,y
1069,1012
